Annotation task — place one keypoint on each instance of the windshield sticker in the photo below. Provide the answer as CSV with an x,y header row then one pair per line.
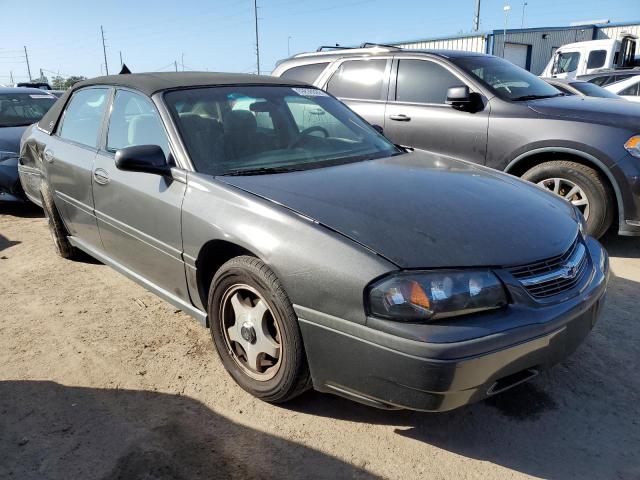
x,y
40,96
309,92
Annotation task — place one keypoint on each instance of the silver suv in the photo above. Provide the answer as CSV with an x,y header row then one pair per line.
x,y
486,110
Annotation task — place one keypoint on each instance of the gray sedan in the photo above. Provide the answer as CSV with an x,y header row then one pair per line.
x,y
317,252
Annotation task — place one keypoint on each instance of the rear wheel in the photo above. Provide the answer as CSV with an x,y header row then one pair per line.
x,y
581,186
255,331
57,229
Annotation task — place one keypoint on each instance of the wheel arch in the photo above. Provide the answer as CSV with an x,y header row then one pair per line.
x,y
211,257
519,165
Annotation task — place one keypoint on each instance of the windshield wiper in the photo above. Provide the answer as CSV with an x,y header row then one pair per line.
x,y
536,97
259,171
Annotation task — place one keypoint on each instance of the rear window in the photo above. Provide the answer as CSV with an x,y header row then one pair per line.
x,y
592,90
359,79
631,91
596,59
23,108
305,73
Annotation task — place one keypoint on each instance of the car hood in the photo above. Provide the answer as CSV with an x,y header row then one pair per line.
x,y
422,210
10,138
605,111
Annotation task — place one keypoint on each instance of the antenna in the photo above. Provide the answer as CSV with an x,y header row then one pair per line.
x,y
476,18
26,56
255,9
104,50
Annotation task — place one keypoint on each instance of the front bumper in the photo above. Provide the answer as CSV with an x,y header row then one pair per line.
x,y
389,371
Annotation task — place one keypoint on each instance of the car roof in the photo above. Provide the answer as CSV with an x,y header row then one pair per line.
x,y
23,90
150,83
563,81
376,51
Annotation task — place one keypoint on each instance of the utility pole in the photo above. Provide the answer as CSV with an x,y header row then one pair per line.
x,y
289,46
476,18
26,56
524,5
11,76
104,50
182,61
255,9
41,75
175,64
506,9
120,52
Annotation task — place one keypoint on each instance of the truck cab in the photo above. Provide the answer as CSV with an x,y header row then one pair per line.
x,y
583,58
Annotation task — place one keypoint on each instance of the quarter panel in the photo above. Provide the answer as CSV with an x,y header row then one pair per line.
x,y
319,268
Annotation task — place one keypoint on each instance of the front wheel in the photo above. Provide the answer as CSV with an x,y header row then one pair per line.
x,y
255,331
581,186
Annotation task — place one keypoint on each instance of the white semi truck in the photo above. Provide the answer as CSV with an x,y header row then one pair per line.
x,y
583,58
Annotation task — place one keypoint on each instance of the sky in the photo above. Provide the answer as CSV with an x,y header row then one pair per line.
x,y
219,35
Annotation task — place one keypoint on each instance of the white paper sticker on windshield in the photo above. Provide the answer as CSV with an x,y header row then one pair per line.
x,y
40,96
309,92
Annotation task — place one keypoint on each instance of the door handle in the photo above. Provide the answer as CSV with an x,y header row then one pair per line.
x,y
101,176
400,118
48,156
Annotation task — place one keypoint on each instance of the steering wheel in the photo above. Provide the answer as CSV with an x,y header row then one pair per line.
x,y
307,131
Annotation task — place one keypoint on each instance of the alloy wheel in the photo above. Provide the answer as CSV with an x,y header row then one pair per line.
x,y
251,332
568,190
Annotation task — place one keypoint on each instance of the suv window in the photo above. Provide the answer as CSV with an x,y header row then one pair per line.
x,y
423,81
83,117
134,121
305,73
596,58
359,79
567,62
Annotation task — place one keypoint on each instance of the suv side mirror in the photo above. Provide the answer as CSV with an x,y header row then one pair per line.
x,y
143,158
459,97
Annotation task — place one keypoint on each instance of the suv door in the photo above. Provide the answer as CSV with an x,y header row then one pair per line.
x,y
69,156
362,84
417,115
139,213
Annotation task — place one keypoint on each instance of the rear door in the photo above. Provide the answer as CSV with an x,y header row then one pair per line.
x,y
362,84
69,156
417,115
139,213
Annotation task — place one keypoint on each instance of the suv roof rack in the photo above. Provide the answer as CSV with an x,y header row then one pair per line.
x,y
383,45
322,48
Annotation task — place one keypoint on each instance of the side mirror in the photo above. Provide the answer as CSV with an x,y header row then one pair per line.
x,y
459,97
143,158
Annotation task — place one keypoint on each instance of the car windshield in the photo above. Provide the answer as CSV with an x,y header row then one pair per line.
x,y
505,79
18,109
592,90
244,130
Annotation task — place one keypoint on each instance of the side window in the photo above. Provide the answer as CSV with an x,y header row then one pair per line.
x,y
134,121
422,81
83,117
361,79
305,73
601,81
310,115
596,58
567,62
631,91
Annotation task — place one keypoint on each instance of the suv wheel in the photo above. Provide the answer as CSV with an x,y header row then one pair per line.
x,y
580,185
255,331
57,229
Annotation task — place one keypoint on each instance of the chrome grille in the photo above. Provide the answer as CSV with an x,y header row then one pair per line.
x,y
555,275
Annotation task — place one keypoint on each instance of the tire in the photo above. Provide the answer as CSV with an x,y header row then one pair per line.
x,y
601,202
59,233
250,277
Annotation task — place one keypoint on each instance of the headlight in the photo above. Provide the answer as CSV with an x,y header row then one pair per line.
x,y
422,296
7,155
633,146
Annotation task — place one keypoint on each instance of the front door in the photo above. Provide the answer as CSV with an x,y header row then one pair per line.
x,y
417,115
139,213
69,156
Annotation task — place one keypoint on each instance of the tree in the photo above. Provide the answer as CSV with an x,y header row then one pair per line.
x,y
57,83
72,80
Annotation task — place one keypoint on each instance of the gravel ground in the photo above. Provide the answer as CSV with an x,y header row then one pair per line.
x,y
101,379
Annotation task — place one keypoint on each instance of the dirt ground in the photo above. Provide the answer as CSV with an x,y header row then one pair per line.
x,y
101,379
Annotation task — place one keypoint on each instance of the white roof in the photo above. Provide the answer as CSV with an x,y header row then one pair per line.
x,y
621,85
606,43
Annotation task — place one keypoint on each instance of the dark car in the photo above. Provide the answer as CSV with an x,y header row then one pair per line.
x,y
19,108
316,251
580,88
485,109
